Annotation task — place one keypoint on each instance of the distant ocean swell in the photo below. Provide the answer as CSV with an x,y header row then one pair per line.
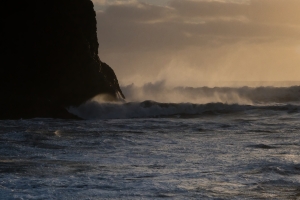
x,y
192,102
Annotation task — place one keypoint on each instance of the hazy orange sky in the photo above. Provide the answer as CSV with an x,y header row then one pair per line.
x,y
188,42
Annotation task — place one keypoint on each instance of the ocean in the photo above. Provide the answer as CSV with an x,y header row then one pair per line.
x,y
161,143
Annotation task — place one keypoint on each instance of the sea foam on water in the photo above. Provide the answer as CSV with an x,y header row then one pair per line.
x,y
157,100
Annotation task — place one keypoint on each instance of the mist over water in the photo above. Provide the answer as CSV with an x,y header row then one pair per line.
x,y
160,100
160,92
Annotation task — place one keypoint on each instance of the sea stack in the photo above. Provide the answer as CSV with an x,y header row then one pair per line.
x,y
50,58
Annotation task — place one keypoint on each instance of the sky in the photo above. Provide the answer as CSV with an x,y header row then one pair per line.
x,y
198,42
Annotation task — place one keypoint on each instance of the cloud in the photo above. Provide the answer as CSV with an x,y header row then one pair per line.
x,y
263,11
113,2
142,41
100,5
209,8
141,26
133,12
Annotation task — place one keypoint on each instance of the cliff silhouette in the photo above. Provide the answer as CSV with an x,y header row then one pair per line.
x,y
50,58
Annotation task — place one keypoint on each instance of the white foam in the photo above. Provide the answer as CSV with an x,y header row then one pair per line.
x,y
232,95
186,101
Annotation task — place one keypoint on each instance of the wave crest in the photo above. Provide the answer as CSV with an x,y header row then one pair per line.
x,y
202,95
189,102
150,109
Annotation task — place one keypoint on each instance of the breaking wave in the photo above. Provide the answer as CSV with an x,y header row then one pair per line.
x,y
240,95
190,102
147,109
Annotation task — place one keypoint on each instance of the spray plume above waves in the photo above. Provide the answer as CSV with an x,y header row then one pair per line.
x,y
159,100
201,95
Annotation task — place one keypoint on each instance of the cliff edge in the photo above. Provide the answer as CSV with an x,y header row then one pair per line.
x,y
50,58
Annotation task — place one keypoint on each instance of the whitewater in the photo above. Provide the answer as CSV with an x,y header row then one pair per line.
x,y
161,143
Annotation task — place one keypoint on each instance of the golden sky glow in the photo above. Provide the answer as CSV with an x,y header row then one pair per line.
x,y
188,42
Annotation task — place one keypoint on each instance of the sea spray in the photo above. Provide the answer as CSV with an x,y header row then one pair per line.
x,y
157,100
201,95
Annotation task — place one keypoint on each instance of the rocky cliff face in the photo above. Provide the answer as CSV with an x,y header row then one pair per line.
x,y
50,58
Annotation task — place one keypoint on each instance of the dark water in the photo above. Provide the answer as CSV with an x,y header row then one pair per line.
x,y
184,151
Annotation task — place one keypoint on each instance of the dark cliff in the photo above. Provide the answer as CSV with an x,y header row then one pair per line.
x,y
50,58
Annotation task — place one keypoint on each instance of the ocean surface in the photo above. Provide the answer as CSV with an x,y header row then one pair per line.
x,y
162,143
